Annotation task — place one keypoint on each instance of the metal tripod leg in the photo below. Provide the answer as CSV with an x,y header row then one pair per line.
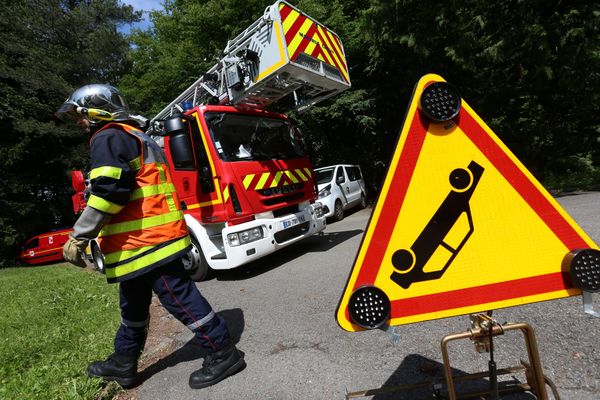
x,y
538,384
483,329
588,304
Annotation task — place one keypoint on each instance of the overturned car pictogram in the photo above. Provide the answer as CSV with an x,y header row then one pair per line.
x,y
410,263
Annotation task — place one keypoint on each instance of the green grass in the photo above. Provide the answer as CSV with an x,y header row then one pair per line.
x,y
54,320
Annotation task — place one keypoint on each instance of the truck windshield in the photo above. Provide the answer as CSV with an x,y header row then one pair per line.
x,y
240,137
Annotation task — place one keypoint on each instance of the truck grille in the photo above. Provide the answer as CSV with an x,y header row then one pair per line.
x,y
282,194
283,199
290,233
294,187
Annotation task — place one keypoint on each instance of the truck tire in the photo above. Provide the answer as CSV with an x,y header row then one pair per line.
x,y
338,211
195,263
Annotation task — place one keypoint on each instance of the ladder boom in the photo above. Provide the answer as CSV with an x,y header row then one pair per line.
x,y
269,60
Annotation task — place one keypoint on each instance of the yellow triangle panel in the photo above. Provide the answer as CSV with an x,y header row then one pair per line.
x,y
460,227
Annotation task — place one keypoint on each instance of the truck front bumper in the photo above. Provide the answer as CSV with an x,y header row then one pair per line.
x,y
276,233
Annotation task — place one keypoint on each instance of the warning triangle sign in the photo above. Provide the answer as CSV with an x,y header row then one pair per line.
x,y
460,225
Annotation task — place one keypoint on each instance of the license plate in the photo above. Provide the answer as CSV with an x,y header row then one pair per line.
x,y
288,223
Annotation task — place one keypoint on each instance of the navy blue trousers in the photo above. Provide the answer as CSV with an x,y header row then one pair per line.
x,y
180,296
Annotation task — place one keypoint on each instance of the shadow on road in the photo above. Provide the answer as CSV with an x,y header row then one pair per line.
x,y
318,243
416,369
192,350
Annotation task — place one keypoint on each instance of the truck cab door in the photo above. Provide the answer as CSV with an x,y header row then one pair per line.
x,y
193,172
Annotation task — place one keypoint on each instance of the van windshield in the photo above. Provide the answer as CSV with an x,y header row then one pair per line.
x,y
324,175
239,137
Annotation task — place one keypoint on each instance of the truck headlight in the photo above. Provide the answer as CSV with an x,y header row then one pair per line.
x,y
243,237
319,210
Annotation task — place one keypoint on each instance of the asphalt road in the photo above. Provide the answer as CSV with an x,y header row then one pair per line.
x,y
282,312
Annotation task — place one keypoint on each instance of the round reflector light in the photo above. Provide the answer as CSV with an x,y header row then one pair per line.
x,y
585,269
440,101
369,307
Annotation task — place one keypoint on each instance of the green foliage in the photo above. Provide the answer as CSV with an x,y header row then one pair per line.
x,y
187,39
48,48
531,69
55,320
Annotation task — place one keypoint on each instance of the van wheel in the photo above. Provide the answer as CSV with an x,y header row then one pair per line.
x,y
363,201
195,263
338,211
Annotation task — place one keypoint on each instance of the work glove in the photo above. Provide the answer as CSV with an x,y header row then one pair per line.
x,y
74,251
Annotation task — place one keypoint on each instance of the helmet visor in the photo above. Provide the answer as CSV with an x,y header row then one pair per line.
x,y
66,112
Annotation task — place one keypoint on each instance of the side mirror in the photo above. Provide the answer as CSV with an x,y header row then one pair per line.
x,y
206,173
179,142
181,150
174,125
77,181
79,200
206,182
340,179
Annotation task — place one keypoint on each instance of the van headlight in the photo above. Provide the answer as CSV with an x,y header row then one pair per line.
x,y
247,236
326,191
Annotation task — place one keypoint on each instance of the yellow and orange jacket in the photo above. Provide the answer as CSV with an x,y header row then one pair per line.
x,y
130,180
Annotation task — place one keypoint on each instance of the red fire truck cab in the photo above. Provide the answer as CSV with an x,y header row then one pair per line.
x,y
244,181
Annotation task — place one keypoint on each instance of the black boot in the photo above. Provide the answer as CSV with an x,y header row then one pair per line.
x,y
117,367
217,366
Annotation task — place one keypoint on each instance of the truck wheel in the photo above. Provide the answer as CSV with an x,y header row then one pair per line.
x,y
338,211
195,263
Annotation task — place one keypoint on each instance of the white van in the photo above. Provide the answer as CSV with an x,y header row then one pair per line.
x,y
341,187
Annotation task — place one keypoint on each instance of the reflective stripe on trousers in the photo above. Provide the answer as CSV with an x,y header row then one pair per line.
x,y
180,296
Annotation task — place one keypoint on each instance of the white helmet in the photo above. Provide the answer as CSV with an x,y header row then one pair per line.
x,y
97,103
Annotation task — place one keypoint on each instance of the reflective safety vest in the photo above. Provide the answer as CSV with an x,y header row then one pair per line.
x,y
150,229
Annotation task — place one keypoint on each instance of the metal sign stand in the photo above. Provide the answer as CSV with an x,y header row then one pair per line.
x,y
482,332
588,304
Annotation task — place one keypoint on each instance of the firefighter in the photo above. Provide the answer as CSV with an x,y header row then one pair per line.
x,y
135,214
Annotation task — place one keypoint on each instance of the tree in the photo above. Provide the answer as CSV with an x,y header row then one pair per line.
x,y
186,40
48,48
529,68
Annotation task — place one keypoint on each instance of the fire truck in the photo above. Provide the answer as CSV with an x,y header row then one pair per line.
x,y
241,172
